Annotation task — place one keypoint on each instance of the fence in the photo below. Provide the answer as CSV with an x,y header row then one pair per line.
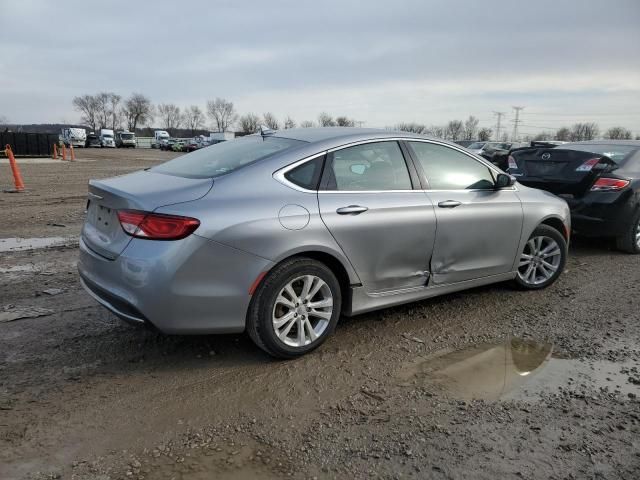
x,y
29,144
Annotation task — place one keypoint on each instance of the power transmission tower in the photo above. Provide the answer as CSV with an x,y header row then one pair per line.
x,y
499,115
516,122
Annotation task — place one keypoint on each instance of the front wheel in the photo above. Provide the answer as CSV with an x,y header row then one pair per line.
x,y
542,260
295,308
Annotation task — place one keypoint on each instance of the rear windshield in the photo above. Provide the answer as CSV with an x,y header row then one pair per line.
x,y
225,157
617,153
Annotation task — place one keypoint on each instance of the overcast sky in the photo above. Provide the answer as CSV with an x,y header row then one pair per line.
x,y
380,62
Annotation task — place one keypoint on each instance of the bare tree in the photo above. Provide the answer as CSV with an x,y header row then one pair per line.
x,y
137,110
88,108
307,124
222,112
170,116
484,134
436,131
471,128
270,120
454,130
289,123
248,123
345,122
584,131
326,120
542,137
504,137
618,133
411,127
103,112
563,134
193,119
114,102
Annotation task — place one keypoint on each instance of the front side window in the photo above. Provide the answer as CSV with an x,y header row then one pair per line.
x,y
371,166
226,157
449,169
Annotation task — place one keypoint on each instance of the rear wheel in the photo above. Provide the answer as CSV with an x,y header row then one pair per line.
x,y
295,308
542,259
630,241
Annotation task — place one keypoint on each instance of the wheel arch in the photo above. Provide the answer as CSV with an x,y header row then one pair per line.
x,y
558,224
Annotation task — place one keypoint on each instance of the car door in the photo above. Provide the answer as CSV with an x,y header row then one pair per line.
x,y
478,226
385,227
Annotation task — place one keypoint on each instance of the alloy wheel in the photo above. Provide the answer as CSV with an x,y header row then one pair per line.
x,y
302,311
540,260
638,235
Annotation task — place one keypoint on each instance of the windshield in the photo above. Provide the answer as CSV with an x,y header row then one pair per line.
x,y
225,157
126,136
107,135
617,153
476,145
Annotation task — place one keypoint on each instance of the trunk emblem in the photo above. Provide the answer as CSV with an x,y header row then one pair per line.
x,y
546,156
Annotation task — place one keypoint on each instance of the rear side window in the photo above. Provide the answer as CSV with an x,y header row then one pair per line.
x,y
226,157
306,175
371,166
449,169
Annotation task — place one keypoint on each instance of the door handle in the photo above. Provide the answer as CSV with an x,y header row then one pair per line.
x,y
449,204
351,210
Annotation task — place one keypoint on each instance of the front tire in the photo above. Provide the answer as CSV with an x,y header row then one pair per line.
x,y
630,241
542,260
295,308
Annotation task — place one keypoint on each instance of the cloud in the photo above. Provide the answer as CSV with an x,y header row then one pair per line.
x,y
381,62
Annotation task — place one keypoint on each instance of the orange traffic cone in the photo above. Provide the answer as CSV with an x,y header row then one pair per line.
x,y
17,178
55,152
73,155
64,152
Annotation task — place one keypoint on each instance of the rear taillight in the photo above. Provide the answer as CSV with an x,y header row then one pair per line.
x,y
513,165
156,226
609,185
588,165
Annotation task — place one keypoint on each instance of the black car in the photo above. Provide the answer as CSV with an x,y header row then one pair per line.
x,y
93,140
600,180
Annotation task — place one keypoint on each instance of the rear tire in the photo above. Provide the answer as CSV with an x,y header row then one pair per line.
x,y
542,260
630,241
295,308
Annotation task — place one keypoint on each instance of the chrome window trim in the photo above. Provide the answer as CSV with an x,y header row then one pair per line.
x,y
279,175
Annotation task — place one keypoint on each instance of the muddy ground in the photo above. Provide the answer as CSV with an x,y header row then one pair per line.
x,y
489,383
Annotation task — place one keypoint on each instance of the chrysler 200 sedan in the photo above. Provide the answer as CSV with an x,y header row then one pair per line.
x,y
280,233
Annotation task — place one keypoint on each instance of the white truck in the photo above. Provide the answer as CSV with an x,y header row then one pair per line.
x,y
74,136
106,138
158,137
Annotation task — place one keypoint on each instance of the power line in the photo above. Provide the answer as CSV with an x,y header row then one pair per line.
x,y
499,115
516,122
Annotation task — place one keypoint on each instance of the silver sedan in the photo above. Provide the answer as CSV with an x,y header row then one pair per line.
x,y
281,233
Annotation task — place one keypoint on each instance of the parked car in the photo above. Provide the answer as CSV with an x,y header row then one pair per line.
x,y
178,146
93,140
480,147
279,234
167,144
599,179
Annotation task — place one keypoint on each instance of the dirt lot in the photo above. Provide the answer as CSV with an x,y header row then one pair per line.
x,y
488,383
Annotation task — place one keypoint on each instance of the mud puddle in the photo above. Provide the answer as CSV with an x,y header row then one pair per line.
x,y
18,244
518,369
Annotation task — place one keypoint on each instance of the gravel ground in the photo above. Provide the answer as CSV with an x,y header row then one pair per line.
x,y
488,383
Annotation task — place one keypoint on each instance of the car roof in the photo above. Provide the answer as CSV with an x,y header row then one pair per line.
x,y
341,134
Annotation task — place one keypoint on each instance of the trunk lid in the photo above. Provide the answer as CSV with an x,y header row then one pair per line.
x,y
568,172
143,190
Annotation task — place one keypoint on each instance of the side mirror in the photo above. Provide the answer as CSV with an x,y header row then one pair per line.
x,y
358,169
504,181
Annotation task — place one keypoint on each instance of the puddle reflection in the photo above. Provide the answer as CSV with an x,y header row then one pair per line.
x,y
515,369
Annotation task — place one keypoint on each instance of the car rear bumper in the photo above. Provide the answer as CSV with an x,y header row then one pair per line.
x,y
602,214
190,286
